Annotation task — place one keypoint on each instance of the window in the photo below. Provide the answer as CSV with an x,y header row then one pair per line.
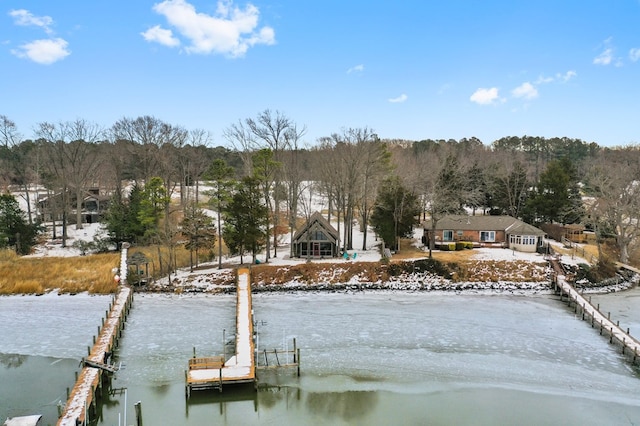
x,y
447,235
318,236
487,236
528,240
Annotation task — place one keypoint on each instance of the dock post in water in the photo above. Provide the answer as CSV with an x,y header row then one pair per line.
x,y
214,372
82,396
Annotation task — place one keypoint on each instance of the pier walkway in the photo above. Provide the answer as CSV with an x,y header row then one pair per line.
x,y
214,372
83,395
630,345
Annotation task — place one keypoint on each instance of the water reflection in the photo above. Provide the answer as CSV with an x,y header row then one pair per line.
x,y
12,360
349,405
238,393
161,390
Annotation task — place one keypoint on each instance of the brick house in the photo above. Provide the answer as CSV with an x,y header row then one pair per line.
x,y
485,231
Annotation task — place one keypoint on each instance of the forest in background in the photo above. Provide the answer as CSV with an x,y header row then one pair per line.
x,y
152,170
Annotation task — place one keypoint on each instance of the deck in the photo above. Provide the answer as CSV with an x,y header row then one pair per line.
x,y
215,372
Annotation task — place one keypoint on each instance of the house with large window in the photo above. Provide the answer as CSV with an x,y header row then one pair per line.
x,y
316,239
485,231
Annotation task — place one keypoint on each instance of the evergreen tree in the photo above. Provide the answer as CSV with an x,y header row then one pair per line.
x,y
122,221
152,205
395,212
15,231
246,219
555,197
220,175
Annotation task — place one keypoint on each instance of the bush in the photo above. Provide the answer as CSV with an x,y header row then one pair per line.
x,y
447,246
460,245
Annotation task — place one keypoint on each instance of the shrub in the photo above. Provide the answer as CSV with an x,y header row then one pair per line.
x,y
447,246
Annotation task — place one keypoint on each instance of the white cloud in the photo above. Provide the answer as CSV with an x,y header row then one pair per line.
x,y
526,91
604,58
567,76
563,78
358,68
25,18
634,54
544,80
43,51
160,35
398,99
484,96
232,31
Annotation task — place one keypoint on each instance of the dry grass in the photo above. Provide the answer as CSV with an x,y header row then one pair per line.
x,y
68,274
409,251
19,275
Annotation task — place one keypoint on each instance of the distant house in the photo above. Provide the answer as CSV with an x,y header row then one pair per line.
x,y
94,206
572,232
486,231
316,239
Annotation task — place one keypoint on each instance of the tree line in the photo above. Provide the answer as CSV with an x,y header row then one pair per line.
x,y
271,180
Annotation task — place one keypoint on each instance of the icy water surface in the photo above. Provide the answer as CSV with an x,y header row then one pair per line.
x,y
370,359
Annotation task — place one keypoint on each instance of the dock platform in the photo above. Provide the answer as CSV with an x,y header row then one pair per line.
x,y
215,372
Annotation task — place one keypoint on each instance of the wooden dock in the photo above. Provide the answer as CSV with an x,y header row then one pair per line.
x,y
82,398
216,372
582,306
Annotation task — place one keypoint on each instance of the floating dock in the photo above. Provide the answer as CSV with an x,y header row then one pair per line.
x,y
215,372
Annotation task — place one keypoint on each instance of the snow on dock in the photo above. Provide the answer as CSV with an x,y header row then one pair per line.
x,y
630,345
83,395
213,372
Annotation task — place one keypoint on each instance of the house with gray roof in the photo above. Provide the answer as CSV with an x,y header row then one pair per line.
x,y
316,239
485,231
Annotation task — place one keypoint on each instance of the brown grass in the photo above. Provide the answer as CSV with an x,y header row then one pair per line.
x,y
409,251
68,274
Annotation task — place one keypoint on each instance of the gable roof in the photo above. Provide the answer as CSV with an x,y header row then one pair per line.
x,y
322,221
509,224
522,228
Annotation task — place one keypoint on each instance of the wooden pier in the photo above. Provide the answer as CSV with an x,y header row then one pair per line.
x,y
582,306
81,401
216,372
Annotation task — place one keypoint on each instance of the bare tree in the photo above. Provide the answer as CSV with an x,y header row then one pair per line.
x,y
197,160
9,135
376,166
274,131
73,159
613,180
293,177
242,139
18,161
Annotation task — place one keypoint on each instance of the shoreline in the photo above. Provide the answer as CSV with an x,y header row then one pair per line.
x,y
467,287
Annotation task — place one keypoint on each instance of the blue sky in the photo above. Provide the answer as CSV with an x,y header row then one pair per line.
x,y
414,69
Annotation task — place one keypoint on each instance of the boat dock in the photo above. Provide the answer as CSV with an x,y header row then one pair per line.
x,y
81,401
582,306
214,372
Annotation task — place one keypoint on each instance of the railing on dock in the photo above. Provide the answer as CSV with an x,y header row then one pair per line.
x,y
582,306
216,372
82,398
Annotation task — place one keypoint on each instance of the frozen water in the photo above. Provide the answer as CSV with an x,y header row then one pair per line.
x,y
53,325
